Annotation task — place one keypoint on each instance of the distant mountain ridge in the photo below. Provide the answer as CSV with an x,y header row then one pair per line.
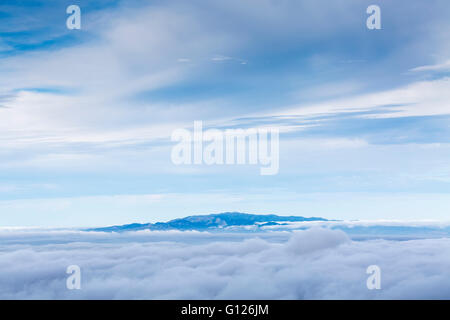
x,y
212,221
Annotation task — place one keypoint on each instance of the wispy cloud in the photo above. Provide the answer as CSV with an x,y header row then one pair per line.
x,y
445,66
97,107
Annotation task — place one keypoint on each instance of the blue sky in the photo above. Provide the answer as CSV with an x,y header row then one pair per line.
x,y
86,115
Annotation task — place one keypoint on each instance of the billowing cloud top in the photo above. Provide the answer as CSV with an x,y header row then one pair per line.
x,y
317,263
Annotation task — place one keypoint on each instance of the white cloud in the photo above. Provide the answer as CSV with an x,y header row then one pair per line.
x,y
433,67
313,264
221,58
423,98
138,50
135,52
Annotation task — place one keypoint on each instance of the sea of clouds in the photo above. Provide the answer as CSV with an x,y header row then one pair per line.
x,y
318,263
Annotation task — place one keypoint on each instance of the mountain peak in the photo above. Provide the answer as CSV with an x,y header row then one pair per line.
x,y
210,221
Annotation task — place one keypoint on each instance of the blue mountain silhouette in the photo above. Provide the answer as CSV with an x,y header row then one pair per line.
x,y
211,221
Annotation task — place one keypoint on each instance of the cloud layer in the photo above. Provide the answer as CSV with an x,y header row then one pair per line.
x,y
314,264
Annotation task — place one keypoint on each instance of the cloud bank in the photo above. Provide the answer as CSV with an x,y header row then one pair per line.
x,y
314,264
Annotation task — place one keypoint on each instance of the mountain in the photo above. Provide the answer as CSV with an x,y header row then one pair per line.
x,y
212,221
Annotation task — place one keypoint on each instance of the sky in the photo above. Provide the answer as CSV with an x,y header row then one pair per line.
x,y
86,116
